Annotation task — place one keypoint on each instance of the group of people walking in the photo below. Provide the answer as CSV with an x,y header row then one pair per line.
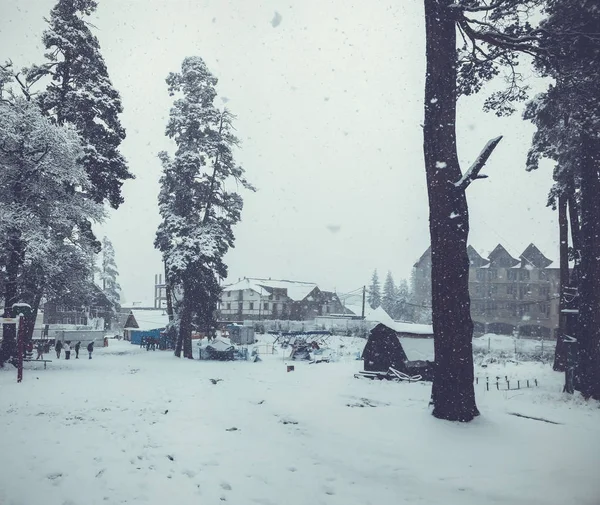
x,y
66,346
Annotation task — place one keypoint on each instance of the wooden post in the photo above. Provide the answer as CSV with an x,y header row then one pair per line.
x,y
20,338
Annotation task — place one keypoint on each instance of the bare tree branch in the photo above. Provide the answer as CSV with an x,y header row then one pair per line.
x,y
473,172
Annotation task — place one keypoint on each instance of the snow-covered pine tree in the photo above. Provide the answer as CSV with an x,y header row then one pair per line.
x,y
80,92
109,274
42,202
197,206
401,308
389,295
374,296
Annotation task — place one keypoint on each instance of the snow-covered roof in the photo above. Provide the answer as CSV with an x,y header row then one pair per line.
x,y
416,329
379,315
219,345
150,319
295,290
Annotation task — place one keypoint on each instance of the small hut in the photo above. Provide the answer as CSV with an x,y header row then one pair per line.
x,y
384,351
241,335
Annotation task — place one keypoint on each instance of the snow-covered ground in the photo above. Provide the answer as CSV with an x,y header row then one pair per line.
x,y
132,426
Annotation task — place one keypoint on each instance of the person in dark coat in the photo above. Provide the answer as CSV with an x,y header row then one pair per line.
x,y
77,347
58,347
90,348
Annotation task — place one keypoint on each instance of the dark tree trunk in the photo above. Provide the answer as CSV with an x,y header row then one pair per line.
x,y
13,261
575,233
589,279
563,232
453,392
30,320
184,339
168,294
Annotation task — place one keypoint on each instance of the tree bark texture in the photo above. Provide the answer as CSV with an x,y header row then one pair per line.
x,y
588,376
13,262
184,340
563,233
453,391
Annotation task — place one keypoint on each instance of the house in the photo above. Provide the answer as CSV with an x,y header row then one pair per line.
x,y
508,293
97,311
257,299
144,323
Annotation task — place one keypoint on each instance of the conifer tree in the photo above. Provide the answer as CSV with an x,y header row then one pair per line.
x,y
374,296
80,93
197,206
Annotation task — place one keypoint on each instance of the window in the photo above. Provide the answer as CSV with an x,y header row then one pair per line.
x,y
274,308
265,306
511,289
480,275
251,305
512,274
229,306
277,298
240,307
545,309
543,275
544,290
524,290
327,309
492,273
524,275
228,293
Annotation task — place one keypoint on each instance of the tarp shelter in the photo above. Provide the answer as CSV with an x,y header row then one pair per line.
x,y
384,350
218,350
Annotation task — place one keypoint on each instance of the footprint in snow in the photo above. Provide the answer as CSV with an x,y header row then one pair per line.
x,y
329,490
226,486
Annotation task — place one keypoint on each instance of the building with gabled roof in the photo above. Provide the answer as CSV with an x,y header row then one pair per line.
x,y
254,298
508,294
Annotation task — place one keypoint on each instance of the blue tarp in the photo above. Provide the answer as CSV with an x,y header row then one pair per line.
x,y
138,335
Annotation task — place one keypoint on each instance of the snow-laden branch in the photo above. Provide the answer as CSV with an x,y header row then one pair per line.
x,y
473,172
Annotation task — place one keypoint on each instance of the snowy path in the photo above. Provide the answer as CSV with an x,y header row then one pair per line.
x,y
136,427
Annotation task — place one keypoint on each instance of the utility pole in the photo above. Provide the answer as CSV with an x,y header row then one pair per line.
x,y
168,294
363,301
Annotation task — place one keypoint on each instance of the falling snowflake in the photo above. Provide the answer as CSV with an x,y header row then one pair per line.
x,y
276,21
440,164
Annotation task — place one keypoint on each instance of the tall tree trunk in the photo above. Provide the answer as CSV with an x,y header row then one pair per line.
x,y
589,280
563,232
184,338
453,392
30,320
13,261
575,233
168,294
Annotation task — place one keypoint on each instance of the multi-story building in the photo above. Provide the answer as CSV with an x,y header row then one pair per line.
x,y
507,294
256,299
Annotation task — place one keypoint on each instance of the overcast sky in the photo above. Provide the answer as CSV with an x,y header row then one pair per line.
x,y
328,96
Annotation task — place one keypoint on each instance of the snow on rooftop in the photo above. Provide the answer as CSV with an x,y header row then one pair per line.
x,y
150,319
296,290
